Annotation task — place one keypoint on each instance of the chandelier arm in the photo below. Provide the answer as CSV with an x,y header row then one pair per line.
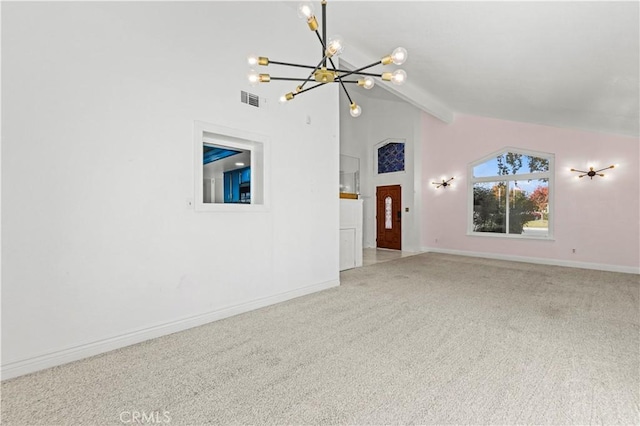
x,y
289,79
324,30
317,85
348,73
341,83
290,64
308,88
304,79
324,46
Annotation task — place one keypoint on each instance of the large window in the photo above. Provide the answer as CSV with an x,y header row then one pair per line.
x,y
510,194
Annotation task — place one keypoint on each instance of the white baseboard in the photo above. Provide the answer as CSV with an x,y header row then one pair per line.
x,y
538,260
64,356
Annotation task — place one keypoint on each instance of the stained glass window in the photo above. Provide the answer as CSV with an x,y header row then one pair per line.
x,y
387,213
391,158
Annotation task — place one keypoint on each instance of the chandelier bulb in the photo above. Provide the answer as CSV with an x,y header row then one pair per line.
x,y
398,77
254,60
335,46
286,97
355,110
254,77
305,10
399,55
367,83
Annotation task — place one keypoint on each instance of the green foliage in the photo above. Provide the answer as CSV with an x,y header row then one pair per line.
x,y
537,164
488,215
521,211
511,163
489,209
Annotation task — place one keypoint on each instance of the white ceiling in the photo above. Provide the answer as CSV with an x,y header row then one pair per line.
x,y
565,64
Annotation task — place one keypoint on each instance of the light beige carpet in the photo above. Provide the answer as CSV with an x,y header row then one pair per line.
x,y
428,339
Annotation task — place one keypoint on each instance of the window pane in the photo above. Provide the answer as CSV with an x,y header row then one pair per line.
x,y
226,173
538,194
489,206
521,208
387,213
511,163
391,158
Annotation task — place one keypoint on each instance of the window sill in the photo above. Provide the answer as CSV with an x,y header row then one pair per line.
x,y
231,208
511,236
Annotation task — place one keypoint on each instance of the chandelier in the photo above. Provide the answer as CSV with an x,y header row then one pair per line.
x,y
325,72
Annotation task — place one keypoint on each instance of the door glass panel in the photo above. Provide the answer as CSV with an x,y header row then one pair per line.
x,y
387,213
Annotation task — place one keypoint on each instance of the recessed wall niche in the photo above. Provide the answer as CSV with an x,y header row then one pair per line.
x,y
229,169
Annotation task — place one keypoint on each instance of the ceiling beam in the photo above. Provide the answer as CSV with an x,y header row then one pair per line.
x,y
409,92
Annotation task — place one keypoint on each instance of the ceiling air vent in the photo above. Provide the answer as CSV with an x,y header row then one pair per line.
x,y
249,98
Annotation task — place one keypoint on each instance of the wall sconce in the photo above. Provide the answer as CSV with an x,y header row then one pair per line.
x,y
444,183
591,173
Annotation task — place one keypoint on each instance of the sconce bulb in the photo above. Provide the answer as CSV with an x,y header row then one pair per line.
x,y
398,77
252,60
399,55
355,110
305,10
283,99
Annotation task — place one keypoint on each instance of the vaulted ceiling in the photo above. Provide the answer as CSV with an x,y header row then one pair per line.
x,y
566,64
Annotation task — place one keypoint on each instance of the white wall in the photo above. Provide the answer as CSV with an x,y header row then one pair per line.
x,y
99,247
383,119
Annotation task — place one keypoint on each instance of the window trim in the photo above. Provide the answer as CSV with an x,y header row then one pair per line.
x,y
234,138
550,175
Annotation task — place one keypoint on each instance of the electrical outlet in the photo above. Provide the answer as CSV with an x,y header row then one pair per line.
x,y
573,251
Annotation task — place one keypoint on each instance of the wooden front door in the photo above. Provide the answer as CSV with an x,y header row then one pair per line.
x,y
389,217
